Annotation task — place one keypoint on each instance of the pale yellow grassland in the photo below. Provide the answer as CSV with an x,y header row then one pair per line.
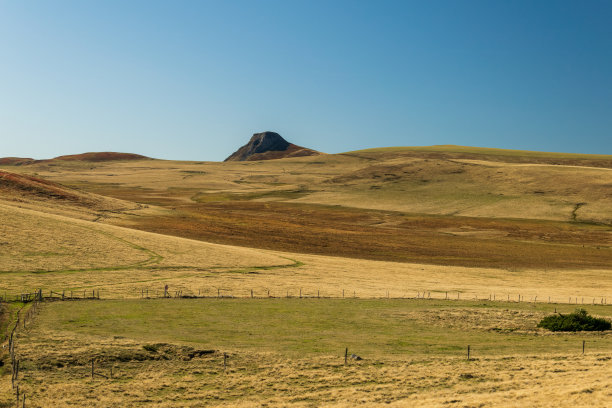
x,y
482,189
489,151
36,242
80,254
398,182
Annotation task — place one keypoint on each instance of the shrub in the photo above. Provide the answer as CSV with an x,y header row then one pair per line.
x,y
577,321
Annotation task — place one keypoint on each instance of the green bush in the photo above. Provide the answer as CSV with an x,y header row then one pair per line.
x,y
577,321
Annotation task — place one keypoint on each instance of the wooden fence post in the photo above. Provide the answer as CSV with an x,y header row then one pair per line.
x,y
345,355
583,343
468,354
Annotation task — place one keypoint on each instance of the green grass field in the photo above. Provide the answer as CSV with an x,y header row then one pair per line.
x,y
371,328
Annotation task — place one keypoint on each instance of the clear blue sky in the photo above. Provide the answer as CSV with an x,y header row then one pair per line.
x,y
194,79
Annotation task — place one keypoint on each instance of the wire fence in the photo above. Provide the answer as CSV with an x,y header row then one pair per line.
x,y
291,293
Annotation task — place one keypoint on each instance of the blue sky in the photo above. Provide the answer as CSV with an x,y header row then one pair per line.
x,y
192,80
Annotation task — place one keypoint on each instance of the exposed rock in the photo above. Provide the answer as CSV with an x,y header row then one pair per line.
x,y
269,145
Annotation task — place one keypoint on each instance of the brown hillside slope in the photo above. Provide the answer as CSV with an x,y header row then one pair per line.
x,y
15,161
47,196
101,157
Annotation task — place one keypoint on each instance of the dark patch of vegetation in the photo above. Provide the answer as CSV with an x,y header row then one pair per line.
x,y
151,348
580,320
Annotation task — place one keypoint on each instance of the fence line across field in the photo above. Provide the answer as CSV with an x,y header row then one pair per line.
x,y
293,293
21,322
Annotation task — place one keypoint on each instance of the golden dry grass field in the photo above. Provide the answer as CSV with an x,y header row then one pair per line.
x,y
404,254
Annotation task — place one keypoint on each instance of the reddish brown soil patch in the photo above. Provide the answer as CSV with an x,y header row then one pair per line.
x,y
15,161
380,235
22,184
101,157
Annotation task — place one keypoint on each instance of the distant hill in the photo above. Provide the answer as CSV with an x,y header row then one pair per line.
x,y
15,161
101,157
85,157
484,153
267,146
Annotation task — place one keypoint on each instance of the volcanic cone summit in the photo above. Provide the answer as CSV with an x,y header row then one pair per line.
x,y
269,145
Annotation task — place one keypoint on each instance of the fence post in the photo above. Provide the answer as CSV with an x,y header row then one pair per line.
x,y
468,352
92,368
345,355
583,343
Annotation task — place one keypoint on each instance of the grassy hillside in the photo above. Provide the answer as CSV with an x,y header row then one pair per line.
x,y
385,204
599,160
